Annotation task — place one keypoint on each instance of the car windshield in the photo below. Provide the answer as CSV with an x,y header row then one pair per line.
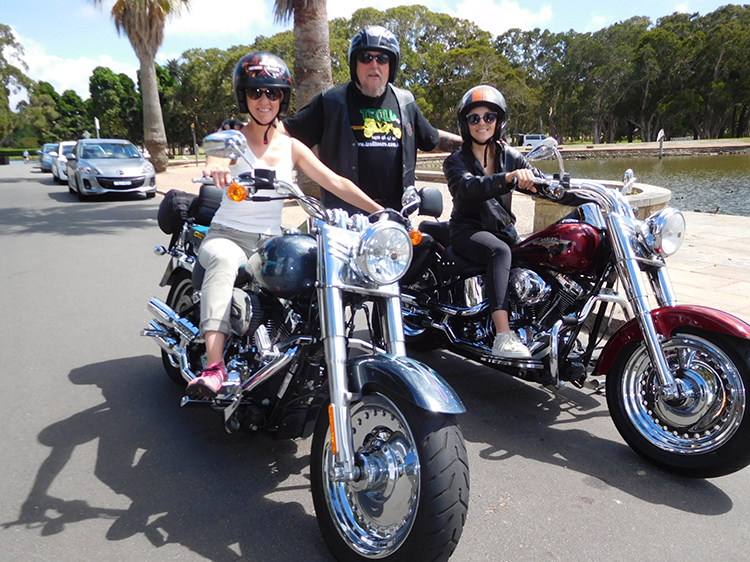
x,y
49,147
110,151
67,150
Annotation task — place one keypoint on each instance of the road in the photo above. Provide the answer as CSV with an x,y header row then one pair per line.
x,y
100,463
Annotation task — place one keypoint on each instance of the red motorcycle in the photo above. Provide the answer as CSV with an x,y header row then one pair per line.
x,y
676,375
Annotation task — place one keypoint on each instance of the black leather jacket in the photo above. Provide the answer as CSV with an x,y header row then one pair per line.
x,y
481,202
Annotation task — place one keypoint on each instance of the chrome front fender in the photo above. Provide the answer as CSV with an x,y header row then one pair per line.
x,y
411,380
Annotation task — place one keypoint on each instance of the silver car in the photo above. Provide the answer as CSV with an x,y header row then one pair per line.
x,y
99,166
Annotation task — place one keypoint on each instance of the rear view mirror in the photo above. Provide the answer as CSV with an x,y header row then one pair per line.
x,y
225,144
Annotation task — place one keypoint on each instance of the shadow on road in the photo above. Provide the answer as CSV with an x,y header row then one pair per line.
x,y
78,219
516,418
188,482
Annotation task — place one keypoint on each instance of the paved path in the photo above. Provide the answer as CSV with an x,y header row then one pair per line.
x,y
712,268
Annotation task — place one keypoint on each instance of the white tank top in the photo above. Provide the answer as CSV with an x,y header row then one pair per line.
x,y
259,217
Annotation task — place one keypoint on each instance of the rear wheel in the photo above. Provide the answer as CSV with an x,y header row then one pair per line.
x,y
180,297
705,433
411,503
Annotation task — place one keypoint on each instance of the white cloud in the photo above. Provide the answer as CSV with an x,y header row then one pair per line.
x,y
240,19
499,18
65,74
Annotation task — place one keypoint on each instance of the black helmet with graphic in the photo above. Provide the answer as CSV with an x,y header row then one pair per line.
x,y
375,38
261,70
488,97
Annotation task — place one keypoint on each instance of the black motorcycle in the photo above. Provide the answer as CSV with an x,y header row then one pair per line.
x,y
389,468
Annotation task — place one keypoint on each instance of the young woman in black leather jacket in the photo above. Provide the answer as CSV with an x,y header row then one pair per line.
x,y
481,177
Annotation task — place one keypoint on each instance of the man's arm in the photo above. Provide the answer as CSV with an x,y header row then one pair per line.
x,y
448,142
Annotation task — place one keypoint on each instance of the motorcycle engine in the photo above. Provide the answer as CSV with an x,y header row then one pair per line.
x,y
527,287
537,302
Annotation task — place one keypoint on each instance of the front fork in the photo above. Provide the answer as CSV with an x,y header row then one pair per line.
x,y
629,270
333,333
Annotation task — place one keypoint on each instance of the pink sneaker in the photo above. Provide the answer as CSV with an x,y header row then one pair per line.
x,y
208,384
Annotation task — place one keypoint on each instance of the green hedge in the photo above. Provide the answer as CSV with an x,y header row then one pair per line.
x,y
18,151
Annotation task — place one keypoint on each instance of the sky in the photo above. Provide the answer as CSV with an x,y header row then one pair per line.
x,y
64,40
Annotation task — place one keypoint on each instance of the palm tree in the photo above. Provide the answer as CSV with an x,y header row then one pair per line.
x,y
143,22
312,59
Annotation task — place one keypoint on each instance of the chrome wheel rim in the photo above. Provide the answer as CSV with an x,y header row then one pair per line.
x,y
375,514
714,397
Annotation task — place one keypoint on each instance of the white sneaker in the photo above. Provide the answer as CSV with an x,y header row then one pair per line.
x,y
508,344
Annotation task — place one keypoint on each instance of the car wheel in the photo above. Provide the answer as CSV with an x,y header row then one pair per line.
x,y
70,184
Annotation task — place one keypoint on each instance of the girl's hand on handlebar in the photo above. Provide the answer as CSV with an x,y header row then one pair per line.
x,y
524,177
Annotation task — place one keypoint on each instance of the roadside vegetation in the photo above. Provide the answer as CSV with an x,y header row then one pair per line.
x,y
686,74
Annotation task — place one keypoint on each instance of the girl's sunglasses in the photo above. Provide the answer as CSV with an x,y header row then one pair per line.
x,y
475,118
366,58
272,94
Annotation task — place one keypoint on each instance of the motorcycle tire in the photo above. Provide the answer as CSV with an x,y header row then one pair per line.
x,y
417,510
707,433
179,298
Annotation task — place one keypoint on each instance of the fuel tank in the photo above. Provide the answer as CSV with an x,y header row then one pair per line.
x,y
565,247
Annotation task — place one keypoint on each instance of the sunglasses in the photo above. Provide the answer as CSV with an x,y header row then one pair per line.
x,y
272,94
366,58
475,118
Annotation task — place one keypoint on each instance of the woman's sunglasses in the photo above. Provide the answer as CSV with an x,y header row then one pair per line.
x,y
366,58
475,118
272,94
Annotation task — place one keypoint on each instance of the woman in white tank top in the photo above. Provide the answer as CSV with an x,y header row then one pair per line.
x,y
263,88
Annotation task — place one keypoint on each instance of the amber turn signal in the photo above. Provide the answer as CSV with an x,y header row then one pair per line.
x,y
237,192
416,237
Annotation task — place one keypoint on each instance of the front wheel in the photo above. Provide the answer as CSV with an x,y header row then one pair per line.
x,y
706,432
410,504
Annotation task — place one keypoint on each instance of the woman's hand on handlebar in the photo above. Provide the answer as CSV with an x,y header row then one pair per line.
x,y
218,170
524,178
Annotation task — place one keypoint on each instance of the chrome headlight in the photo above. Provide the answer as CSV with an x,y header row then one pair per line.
x,y
665,231
384,253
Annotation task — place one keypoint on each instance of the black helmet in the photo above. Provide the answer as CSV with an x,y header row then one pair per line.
x,y
375,38
488,97
261,70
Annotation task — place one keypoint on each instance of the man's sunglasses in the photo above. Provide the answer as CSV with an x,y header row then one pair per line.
x,y
475,118
366,58
272,94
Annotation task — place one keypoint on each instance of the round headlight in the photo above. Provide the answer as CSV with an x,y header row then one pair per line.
x,y
666,229
384,253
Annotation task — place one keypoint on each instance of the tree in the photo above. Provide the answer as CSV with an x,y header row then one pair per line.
x,y
143,22
312,61
12,77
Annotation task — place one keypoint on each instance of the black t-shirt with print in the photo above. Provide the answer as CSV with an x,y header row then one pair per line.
x,y
376,125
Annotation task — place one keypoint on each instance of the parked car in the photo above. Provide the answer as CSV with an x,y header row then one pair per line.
x,y
60,161
99,166
45,156
533,140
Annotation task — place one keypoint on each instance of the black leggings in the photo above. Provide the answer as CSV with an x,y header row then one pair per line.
x,y
484,247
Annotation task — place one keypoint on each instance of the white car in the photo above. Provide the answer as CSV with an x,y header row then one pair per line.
x,y
60,161
533,140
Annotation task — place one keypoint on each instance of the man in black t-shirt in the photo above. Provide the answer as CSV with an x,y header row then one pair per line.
x,y
368,130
